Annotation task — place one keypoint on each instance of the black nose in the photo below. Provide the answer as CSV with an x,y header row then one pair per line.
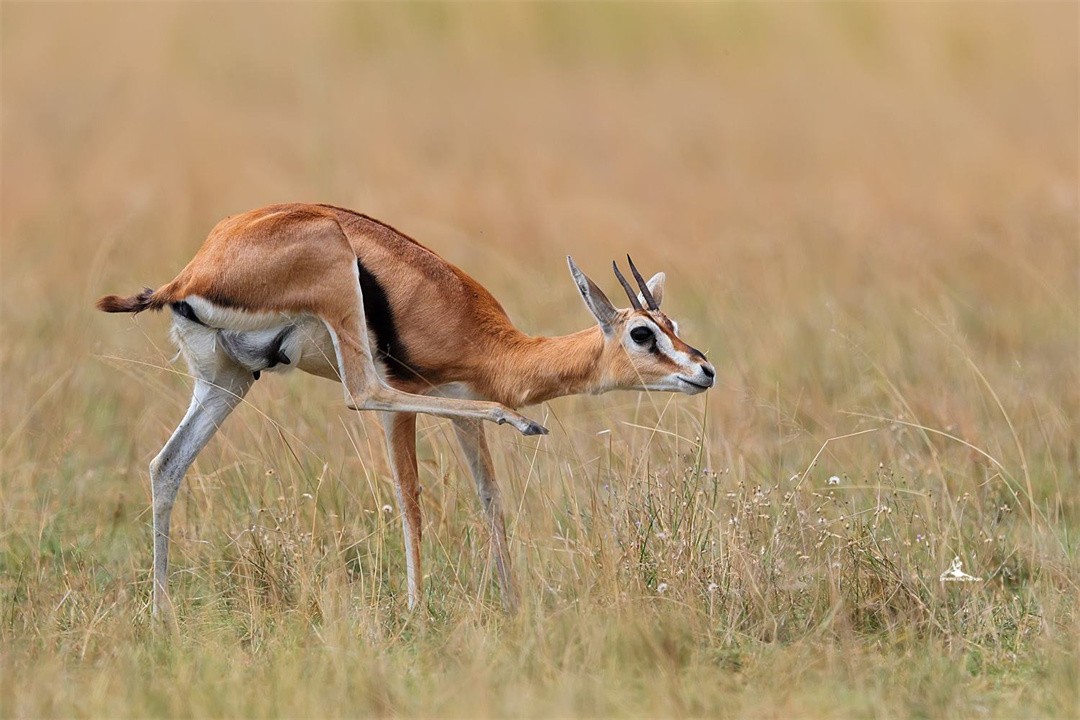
x,y
708,370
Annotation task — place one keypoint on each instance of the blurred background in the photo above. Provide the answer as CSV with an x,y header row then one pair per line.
x,y
823,184
864,210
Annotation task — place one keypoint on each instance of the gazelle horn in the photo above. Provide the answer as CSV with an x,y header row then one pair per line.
x,y
649,300
626,286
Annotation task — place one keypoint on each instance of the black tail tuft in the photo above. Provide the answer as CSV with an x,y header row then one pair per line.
x,y
131,304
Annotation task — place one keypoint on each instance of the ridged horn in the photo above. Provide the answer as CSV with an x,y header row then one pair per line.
x,y
626,286
645,293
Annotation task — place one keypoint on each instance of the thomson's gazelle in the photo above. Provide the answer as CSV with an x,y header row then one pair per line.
x,y
340,295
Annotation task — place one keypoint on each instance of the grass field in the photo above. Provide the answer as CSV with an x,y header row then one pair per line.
x,y
868,214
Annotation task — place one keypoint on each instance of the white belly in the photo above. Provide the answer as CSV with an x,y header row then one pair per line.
x,y
262,342
305,340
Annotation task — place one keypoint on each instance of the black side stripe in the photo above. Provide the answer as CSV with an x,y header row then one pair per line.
x,y
380,321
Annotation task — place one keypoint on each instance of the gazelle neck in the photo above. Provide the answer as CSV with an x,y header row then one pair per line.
x,y
536,369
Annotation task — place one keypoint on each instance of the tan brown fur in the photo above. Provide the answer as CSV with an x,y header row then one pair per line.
x,y
131,304
301,260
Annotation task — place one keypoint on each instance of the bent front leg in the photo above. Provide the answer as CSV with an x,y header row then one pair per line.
x,y
365,390
470,434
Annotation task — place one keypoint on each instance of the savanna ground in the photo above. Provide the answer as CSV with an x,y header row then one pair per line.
x,y
868,215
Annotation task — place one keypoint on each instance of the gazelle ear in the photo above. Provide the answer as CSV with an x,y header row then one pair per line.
x,y
656,287
594,298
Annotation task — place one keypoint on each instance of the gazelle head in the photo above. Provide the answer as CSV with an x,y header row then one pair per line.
x,y
642,348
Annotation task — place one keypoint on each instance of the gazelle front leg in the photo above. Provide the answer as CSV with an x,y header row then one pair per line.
x,y
400,431
470,434
364,390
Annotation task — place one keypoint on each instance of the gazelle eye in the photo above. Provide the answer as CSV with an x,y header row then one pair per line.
x,y
641,335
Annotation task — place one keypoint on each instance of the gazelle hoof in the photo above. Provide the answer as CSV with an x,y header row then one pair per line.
x,y
523,424
534,428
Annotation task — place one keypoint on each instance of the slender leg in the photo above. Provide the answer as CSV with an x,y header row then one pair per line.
x,y
365,390
210,405
400,430
470,434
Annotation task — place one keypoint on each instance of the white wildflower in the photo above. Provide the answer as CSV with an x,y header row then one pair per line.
x,y
661,588
955,573
387,509
834,480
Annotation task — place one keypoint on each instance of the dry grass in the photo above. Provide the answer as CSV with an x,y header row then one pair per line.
x,y
868,214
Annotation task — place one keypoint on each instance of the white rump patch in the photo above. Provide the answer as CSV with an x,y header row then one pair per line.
x,y
223,318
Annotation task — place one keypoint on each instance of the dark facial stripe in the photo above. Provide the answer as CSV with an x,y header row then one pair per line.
x,y
380,322
680,345
665,360
695,353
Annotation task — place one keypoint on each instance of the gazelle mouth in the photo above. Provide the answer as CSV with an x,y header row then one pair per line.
x,y
691,382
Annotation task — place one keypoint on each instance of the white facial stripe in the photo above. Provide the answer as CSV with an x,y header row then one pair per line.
x,y
667,348
664,344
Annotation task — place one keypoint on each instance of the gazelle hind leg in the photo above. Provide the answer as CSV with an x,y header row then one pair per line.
x,y
470,434
211,403
400,430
